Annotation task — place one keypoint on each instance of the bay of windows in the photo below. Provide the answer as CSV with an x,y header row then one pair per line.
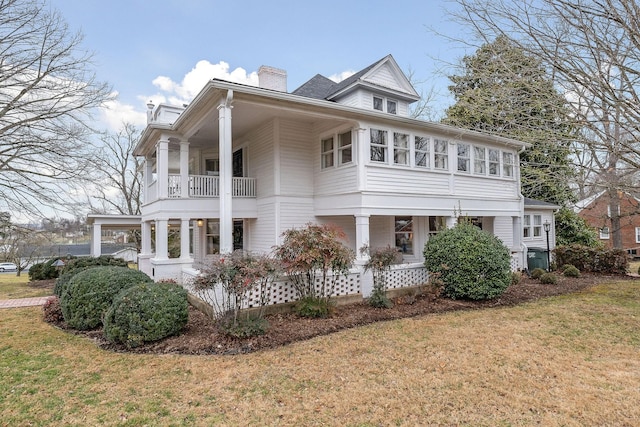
x,y
336,154
464,157
378,145
441,154
479,160
422,151
400,148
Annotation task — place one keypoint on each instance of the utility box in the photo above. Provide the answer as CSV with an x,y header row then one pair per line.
x,y
537,258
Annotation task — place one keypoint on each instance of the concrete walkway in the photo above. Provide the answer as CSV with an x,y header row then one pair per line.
x,y
22,302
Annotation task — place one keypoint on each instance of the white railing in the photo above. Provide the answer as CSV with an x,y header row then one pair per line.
x,y
209,186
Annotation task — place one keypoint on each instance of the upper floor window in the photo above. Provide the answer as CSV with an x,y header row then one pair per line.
x,y
400,148
440,154
327,153
604,233
380,104
464,157
637,234
336,154
494,162
345,152
422,151
378,145
479,160
507,165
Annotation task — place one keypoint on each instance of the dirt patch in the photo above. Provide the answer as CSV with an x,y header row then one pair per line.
x,y
201,336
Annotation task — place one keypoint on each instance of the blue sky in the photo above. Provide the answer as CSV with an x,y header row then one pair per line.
x,y
165,50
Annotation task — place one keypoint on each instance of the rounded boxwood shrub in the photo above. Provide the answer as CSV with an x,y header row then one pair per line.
x,y
536,273
90,292
548,279
570,271
63,281
470,263
146,312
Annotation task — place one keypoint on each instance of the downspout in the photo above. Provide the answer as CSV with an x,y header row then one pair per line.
x,y
523,247
226,174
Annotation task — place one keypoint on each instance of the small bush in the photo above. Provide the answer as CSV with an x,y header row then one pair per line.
x,y
313,307
536,273
472,263
516,276
44,270
548,279
146,312
379,298
51,311
90,292
243,326
570,271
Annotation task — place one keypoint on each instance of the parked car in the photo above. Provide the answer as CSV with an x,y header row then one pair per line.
x,y
8,266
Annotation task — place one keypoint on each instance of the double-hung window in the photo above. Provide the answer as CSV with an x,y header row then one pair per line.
x,y
345,152
464,157
327,152
392,107
421,145
400,148
440,154
378,145
604,233
507,165
526,226
532,227
479,164
537,225
637,234
380,103
494,162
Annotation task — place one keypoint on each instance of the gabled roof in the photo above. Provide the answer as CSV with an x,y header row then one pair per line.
x,y
320,87
582,204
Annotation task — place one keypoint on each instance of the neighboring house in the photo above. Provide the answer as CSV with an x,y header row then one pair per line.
x,y
597,213
240,165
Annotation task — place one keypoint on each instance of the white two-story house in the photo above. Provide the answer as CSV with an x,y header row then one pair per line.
x,y
239,165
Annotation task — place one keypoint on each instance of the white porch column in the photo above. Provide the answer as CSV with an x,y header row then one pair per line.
x,y
145,247
362,235
184,240
147,179
184,169
517,232
451,221
162,168
162,239
226,175
96,241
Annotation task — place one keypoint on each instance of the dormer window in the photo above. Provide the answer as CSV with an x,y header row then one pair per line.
x,y
387,105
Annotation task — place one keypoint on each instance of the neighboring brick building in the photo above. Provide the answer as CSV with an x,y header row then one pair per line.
x,y
596,212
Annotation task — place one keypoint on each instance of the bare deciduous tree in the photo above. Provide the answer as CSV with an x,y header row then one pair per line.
x,y
47,93
116,173
591,48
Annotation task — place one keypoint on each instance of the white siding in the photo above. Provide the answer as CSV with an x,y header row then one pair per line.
x,y
380,231
503,229
296,158
336,180
407,181
347,224
384,76
295,213
262,234
469,185
260,160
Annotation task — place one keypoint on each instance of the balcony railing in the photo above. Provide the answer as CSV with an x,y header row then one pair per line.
x,y
201,186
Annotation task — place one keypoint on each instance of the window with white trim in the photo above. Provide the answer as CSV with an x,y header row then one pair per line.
x,y
378,145
404,234
637,234
531,227
400,148
464,157
387,105
392,107
494,162
479,160
421,153
345,151
377,103
604,233
507,164
441,154
327,153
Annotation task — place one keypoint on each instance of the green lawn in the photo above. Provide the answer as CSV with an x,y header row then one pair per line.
x,y
570,360
18,287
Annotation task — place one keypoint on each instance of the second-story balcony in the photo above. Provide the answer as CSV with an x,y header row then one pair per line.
x,y
204,186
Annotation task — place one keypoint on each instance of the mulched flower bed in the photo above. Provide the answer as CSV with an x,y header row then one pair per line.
x,y
201,336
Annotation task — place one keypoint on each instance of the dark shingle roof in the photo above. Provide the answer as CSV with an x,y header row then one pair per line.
x,y
530,203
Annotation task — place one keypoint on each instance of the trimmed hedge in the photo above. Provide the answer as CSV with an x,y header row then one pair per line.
x,y
146,312
90,292
470,262
596,260
81,263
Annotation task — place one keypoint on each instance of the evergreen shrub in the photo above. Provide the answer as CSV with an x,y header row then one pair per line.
x,y
593,259
536,273
146,312
470,262
570,271
548,279
90,292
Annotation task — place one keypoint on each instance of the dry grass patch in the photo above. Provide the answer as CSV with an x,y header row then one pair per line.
x,y
560,361
12,287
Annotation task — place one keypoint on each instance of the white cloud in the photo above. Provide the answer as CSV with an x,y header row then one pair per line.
x,y
184,91
341,76
115,113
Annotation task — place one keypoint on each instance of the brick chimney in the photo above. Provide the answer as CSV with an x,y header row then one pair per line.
x,y
272,78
